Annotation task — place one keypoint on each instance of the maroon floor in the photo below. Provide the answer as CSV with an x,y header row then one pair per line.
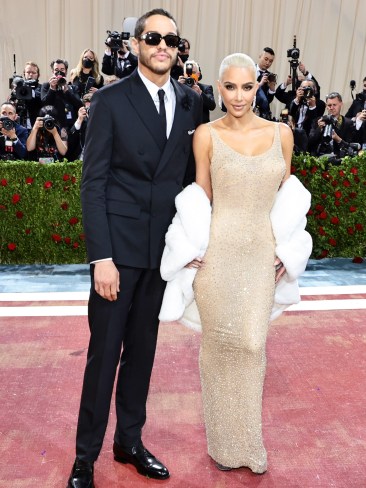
x,y
314,407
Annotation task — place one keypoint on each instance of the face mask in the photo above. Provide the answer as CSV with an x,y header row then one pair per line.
x,y
184,57
87,63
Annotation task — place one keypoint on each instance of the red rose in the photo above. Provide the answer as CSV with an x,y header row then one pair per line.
x,y
357,260
75,245
27,231
12,246
293,169
334,220
338,194
73,179
337,203
341,173
314,169
56,237
15,199
4,182
332,242
354,171
322,231
303,172
67,240
323,215
346,183
64,206
325,175
66,177
334,183
19,215
350,231
319,207
359,226
73,220
352,208
353,194
324,196
66,188
48,184
324,253
82,237
29,180
356,179
310,212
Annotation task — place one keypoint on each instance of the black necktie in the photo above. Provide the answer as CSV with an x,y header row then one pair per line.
x,y
161,94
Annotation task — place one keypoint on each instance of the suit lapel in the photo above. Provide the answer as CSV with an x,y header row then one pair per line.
x,y
146,109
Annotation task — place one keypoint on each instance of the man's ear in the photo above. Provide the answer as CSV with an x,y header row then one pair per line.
x,y
135,45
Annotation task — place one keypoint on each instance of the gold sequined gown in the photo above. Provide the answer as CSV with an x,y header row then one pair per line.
x,y
234,294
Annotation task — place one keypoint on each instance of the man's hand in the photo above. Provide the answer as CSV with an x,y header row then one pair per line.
x,y
106,280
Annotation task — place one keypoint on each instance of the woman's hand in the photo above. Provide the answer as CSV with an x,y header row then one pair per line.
x,y
195,264
280,269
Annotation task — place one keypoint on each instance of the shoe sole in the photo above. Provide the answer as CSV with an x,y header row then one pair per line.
x,y
140,470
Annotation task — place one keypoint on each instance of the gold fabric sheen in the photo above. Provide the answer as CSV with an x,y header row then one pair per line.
x,y
234,292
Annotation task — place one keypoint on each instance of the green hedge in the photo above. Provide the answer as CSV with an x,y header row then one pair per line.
x,y
337,218
40,214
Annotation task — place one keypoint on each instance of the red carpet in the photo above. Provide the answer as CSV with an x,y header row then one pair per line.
x,y
314,407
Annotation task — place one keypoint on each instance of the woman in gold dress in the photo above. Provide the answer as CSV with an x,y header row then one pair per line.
x,y
241,162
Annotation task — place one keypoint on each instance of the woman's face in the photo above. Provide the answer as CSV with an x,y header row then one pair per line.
x,y
237,88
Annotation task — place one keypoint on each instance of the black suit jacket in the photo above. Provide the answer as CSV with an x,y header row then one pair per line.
x,y
131,174
346,131
310,115
208,101
66,103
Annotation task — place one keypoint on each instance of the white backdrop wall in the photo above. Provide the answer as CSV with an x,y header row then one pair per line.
x,y
330,34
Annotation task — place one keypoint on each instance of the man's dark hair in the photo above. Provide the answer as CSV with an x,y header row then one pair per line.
x,y
334,95
60,61
269,50
364,79
141,22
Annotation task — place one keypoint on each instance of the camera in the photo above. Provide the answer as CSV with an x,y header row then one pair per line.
x,y
182,46
308,92
189,72
115,39
271,77
48,122
8,124
23,89
61,80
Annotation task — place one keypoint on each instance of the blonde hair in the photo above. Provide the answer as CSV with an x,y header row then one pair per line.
x,y
79,68
238,60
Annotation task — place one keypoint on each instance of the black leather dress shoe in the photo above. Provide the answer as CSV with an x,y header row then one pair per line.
x,y
143,460
82,475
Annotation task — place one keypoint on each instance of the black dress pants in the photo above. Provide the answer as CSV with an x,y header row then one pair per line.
x,y
129,324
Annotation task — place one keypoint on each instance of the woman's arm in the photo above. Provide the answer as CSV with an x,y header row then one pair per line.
x,y
32,138
202,149
287,144
60,144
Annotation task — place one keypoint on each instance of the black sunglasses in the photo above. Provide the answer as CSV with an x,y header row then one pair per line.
x,y
154,39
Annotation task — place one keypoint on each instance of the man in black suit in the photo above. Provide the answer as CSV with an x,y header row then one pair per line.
x,y
120,63
332,134
191,75
306,106
266,82
137,153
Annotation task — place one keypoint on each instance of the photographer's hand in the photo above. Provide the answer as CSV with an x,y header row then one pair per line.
x,y
181,79
264,79
196,88
321,123
53,82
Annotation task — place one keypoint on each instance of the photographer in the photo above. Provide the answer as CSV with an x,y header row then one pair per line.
x,y
26,94
76,135
267,83
183,56
12,136
300,136
118,59
61,95
191,75
358,104
86,77
47,141
333,134
306,106
301,74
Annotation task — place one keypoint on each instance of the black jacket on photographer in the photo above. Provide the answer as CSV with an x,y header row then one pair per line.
x,y
321,144
27,108
302,112
119,65
66,103
358,104
14,149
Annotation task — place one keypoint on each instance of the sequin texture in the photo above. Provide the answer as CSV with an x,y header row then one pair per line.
x,y
234,293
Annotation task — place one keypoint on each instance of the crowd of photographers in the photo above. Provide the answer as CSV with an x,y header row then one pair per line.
x,y
47,122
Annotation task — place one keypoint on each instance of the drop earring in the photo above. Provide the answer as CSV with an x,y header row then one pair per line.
x,y
253,102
